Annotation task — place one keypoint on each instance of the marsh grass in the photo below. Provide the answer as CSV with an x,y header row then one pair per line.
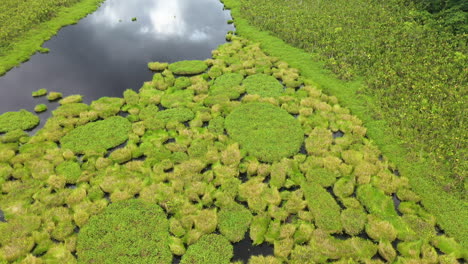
x,y
213,170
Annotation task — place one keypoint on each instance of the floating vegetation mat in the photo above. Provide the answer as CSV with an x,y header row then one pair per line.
x,y
231,147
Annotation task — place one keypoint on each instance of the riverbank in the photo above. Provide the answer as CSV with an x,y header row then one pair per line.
x,y
21,46
450,210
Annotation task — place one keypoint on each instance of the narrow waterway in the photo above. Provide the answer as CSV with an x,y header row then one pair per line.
x,y
106,53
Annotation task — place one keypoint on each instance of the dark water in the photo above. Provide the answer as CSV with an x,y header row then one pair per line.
x,y
106,53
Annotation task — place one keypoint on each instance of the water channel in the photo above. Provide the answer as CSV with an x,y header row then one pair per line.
x,y
106,52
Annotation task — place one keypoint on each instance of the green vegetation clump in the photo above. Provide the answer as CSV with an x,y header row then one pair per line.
x,y
213,249
157,66
188,67
22,119
234,220
126,232
52,96
40,108
263,85
99,135
315,206
228,84
265,131
40,92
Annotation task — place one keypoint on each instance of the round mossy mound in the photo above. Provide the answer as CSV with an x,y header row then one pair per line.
x,y
131,231
263,85
98,135
213,249
22,119
266,132
228,84
188,67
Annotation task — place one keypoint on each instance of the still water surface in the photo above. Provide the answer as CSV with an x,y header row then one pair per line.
x,y
106,53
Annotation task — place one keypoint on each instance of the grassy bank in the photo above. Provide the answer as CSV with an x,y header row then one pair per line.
x,y
450,209
414,69
25,25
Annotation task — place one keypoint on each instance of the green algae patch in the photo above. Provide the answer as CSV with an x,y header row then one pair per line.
x,y
228,84
213,249
157,66
97,135
263,85
53,96
22,119
177,114
265,131
188,67
323,206
234,221
40,108
131,231
40,92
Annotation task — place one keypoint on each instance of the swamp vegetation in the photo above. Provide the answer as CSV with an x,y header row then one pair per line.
x,y
190,164
411,64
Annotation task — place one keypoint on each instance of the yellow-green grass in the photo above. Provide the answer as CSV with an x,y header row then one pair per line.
x,y
26,25
449,209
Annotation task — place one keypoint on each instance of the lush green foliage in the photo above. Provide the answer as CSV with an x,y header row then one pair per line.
x,y
265,131
22,119
234,220
182,160
97,136
212,248
131,231
415,72
451,14
188,67
263,85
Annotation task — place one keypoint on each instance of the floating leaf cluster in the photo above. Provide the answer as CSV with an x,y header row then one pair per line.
x,y
209,159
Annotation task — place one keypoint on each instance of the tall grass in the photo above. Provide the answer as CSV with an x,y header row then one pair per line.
x,y
416,70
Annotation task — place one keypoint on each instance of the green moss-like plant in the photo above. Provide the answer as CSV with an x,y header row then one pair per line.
x,y
22,119
213,249
228,84
40,92
157,66
234,220
177,98
76,98
265,131
52,96
324,208
132,231
353,220
188,67
263,85
40,108
98,135
107,106
69,170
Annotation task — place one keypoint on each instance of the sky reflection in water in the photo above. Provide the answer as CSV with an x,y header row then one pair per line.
x,y
106,53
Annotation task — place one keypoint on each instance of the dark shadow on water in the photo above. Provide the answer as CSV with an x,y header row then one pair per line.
x,y
100,56
244,249
338,134
396,203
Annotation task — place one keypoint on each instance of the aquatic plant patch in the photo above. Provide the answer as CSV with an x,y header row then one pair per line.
x,y
265,131
22,119
99,135
263,85
194,178
131,231
188,67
